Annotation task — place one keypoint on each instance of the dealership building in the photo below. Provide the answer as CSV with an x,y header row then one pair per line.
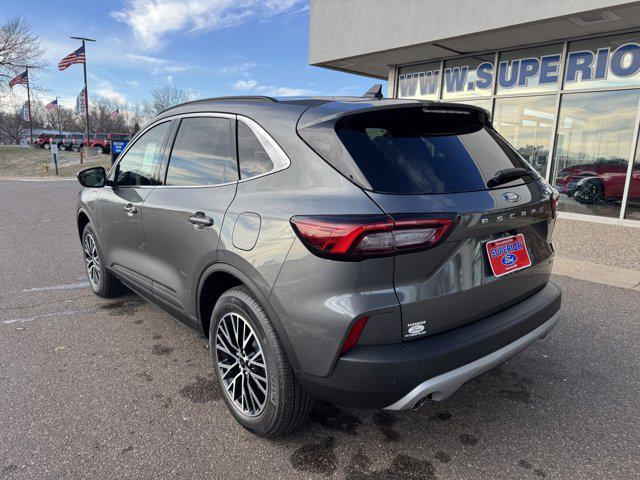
x,y
560,78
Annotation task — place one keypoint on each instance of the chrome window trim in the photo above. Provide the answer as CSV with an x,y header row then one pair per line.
x,y
279,159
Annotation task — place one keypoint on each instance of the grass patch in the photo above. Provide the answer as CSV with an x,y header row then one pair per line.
x,y
26,162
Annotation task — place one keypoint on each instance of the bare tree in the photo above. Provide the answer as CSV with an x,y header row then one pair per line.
x,y
19,46
165,97
12,127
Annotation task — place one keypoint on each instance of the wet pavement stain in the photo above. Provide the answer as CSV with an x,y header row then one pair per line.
x,y
403,467
120,308
161,349
127,449
467,439
385,422
316,457
138,321
331,417
157,336
443,457
145,376
519,394
359,461
202,391
443,417
536,471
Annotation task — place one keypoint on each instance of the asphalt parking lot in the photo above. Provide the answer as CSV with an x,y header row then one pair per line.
x,y
116,389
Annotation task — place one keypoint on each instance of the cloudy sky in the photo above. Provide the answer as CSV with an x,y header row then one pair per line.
x,y
212,47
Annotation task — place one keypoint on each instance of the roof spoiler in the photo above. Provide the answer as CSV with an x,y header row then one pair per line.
x,y
374,92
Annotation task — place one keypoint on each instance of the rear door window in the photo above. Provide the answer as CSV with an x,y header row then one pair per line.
x,y
416,151
203,153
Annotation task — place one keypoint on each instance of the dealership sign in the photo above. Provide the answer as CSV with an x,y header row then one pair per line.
x,y
478,78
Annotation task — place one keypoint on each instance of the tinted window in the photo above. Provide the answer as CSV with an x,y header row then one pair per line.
x,y
140,163
414,151
203,153
253,159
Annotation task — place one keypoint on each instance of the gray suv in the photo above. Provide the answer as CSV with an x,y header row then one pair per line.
x,y
366,252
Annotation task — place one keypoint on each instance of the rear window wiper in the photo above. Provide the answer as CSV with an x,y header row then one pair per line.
x,y
507,175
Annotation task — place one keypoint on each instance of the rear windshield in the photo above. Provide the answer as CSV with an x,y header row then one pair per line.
x,y
418,151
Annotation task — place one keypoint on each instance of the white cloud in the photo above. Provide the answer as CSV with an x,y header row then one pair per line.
x,y
157,65
284,91
111,94
152,20
245,84
133,83
239,69
271,90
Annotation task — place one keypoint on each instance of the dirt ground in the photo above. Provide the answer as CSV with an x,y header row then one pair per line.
x,y
26,162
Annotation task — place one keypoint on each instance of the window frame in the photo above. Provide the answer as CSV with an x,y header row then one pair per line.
x,y
139,135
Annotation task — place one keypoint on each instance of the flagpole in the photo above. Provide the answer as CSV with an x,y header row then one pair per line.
x,y
59,122
29,104
86,91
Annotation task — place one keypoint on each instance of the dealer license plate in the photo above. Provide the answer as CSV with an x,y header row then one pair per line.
x,y
508,254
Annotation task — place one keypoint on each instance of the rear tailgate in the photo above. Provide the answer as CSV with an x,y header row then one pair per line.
x,y
454,284
442,161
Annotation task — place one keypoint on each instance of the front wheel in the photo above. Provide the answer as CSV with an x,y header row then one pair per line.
x,y
99,150
46,146
102,282
254,375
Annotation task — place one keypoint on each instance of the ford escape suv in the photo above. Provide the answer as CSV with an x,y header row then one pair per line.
x,y
367,252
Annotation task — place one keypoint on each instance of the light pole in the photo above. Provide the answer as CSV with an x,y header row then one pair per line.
x,y
86,91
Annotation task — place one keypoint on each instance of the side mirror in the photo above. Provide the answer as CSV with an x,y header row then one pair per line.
x,y
95,177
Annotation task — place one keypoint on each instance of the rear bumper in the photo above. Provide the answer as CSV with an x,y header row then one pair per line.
x,y
398,376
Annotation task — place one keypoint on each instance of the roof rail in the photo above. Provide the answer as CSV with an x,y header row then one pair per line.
x,y
241,98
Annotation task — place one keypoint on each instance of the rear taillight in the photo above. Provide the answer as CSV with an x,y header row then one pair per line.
x,y
354,334
555,198
346,237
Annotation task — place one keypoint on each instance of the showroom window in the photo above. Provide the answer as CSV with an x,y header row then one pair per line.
x,y
531,70
420,81
595,132
570,109
468,77
603,63
527,123
633,199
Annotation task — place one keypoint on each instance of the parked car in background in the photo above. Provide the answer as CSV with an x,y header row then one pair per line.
x,y
72,141
374,254
118,137
100,142
588,183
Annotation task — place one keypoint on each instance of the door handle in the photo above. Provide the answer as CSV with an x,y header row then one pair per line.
x,y
131,209
200,220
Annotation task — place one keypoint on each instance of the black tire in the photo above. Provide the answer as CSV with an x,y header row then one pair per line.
x,y
99,150
107,285
589,193
287,405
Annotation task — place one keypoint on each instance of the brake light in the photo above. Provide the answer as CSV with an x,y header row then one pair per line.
x,y
555,198
354,334
346,237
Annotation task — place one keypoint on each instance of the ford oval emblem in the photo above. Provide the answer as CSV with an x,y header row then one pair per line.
x,y
416,329
511,197
509,259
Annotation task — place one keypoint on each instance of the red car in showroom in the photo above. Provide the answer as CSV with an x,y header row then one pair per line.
x,y
602,180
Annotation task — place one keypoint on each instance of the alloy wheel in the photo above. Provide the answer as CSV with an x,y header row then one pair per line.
x,y
92,260
241,365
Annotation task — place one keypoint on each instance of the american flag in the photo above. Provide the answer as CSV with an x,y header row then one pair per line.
x,y
115,113
23,78
74,57
53,105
